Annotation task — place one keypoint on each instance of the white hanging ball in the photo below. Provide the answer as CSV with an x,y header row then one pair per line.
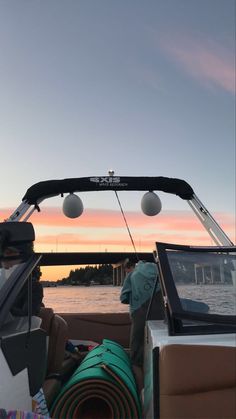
x,y
151,204
72,206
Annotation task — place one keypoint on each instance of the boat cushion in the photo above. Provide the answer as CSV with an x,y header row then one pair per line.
x,y
197,381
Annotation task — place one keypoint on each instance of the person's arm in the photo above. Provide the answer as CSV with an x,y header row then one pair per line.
x,y
126,291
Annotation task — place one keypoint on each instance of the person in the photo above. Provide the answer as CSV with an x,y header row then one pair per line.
x,y
129,266
137,291
20,306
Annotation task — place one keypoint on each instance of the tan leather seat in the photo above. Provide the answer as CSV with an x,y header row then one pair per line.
x,y
57,331
197,381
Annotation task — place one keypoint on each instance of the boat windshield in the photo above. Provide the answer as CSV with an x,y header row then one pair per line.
x,y
16,247
12,259
9,264
207,278
199,283
12,279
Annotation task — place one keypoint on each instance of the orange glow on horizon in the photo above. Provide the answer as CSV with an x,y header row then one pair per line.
x,y
100,230
113,218
54,273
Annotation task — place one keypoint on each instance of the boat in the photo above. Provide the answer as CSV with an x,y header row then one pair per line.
x,y
189,347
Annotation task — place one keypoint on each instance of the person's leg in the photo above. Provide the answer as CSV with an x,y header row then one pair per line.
x,y
137,336
137,345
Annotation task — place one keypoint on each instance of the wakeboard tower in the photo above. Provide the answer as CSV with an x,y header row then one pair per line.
x,y
47,189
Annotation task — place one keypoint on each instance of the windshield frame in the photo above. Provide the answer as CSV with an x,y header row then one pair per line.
x,y
207,322
13,285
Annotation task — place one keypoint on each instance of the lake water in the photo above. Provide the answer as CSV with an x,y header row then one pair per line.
x,y
106,299
73,299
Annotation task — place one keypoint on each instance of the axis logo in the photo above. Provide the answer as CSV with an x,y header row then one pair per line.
x,y
106,180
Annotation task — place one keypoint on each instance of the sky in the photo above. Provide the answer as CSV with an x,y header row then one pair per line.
x,y
146,88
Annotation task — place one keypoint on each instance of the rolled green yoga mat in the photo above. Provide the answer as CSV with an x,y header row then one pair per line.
x,y
102,387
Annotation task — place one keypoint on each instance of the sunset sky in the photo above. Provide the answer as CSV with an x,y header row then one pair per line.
x,y
144,88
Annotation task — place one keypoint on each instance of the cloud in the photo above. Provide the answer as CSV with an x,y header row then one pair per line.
x,y
100,229
207,62
92,218
118,242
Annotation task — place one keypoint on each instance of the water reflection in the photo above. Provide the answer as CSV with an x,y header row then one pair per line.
x,y
69,299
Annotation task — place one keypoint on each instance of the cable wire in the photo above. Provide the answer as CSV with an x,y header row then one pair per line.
x,y
130,235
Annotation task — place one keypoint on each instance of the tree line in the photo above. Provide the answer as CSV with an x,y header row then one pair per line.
x,y
100,275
